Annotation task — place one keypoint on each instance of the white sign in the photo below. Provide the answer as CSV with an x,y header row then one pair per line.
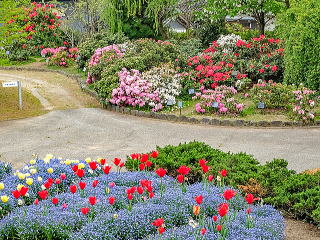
x,y
10,84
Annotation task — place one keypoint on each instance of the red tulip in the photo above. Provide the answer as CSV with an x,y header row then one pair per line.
x,y
158,222
140,190
144,158
57,181
141,166
111,200
180,178
116,161
202,162
129,196
223,209
92,200
223,172
63,176
148,163
203,231
228,194
199,199
80,173
210,178
249,210
205,168
154,154
55,201
75,168
151,194
84,211
250,198
47,184
82,185
161,230
73,188
103,161
23,191
43,194
95,183
36,201
93,165
215,218
161,172
219,228
16,194
106,169
183,170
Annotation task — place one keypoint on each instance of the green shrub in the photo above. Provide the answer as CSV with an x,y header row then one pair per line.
x,y
274,95
299,194
244,33
210,31
99,40
241,167
300,26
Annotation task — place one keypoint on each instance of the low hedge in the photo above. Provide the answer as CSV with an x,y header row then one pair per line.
x,y
298,194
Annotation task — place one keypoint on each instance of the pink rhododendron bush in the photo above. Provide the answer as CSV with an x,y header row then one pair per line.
x,y
61,56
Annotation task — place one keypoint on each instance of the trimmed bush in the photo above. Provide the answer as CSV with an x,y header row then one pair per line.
x,y
300,26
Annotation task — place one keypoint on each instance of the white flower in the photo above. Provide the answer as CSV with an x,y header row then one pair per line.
x,y
20,202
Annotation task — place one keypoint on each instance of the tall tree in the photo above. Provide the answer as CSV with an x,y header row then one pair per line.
x,y
262,10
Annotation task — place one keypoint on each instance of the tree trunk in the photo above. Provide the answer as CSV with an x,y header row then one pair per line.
x,y
261,22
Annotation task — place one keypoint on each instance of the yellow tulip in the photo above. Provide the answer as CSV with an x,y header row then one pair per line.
x,y
19,186
107,190
50,170
81,165
33,171
1,186
32,161
21,176
29,181
88,160
39,179
47,158
4,198
68,162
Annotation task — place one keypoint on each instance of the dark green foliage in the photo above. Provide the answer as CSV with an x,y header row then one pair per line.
x,y
138,27
298,194
300,26
99,40
210,31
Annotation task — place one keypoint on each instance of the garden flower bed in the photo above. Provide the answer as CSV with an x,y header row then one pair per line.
x,y
69,199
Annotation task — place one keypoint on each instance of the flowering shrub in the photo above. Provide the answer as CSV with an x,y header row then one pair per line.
x,y
305,101
228,42
220,100
101,56
165,81
61,56
259,58
83,200
273,95
135,91
41,28
140,55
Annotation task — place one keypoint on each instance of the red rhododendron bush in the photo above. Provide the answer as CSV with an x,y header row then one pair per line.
x,y
71,199
40,28
238,64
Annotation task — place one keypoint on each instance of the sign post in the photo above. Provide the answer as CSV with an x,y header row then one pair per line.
x,y
15,84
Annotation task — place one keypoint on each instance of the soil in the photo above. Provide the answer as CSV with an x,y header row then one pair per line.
x,y
299,230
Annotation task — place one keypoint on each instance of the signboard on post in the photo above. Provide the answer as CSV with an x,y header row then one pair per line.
x,y
15,84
